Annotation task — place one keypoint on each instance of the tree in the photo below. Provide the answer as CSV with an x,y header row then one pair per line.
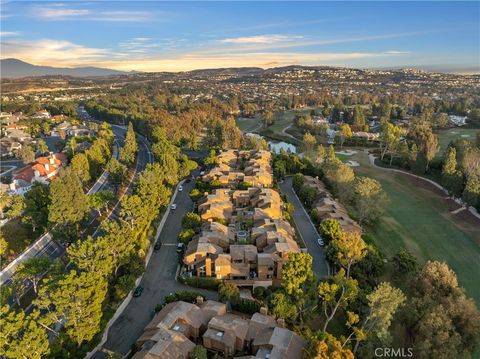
x,y
81,167
3,246
76,300
105,131
267,118
308,195
298,181
330,230
92,255
369,199
345,133
42,146
100,200
439,312
404,262
26,154
389,139
212,159
283,306
320,153
427,142
383,302
129,150
68,204
297,279
326,346
336,293
348,249
191,220
199,352
22,336
37,202
471,193
452,179
471,162
195,194
117,172
33,269
308,144
358,119
16,207
228,292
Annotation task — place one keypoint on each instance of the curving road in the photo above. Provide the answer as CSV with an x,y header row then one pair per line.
x,y
307,230
158,281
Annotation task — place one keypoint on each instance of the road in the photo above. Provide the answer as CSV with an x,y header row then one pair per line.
x,y
158,281
307,230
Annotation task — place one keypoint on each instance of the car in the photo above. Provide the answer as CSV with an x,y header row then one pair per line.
x,y
138,291
188,180
180,247
157,246
180,188
202,173
174,206
320,242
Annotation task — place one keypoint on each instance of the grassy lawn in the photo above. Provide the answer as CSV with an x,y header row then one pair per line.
x,y
249,124
445,136
419,220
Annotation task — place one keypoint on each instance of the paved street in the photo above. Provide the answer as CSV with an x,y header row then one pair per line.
x,y
158,281
307,230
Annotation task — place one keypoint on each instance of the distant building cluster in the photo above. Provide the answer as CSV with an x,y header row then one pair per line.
x,y
175,330
244,237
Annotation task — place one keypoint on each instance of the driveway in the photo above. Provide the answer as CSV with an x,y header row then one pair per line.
x,y
158,281
307,230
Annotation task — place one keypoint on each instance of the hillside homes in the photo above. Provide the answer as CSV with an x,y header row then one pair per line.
x,y
327,207
179,326
42,170
244,237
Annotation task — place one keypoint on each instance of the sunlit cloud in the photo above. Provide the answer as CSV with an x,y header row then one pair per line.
x,y
62,12
260,39
53,53
393,52
55,13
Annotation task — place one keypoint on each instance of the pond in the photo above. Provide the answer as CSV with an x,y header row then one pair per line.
x,y
276,146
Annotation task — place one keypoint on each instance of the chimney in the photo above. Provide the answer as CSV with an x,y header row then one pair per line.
x,y
281,322
47,167
52,159
264,310
36,173
199,300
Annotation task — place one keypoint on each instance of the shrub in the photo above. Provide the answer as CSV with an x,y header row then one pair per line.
x,y
189,296
202,282
191,221
246,306
259,292
186,236
195,195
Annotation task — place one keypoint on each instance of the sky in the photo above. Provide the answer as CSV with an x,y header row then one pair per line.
x,y
181,36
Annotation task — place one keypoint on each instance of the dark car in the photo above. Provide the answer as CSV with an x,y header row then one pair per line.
x,y
180,248
157,246
138,291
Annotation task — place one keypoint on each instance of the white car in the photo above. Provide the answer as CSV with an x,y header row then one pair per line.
x,y
180,188
320,242
174,206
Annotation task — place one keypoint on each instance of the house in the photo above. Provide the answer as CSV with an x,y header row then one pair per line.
x,y
173,332
42,170
17,133
216,206
42,114
327,207
8,146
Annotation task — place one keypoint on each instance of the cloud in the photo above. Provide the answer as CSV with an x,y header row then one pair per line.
x,y
9,33
393,52
54,53
60,13
260,39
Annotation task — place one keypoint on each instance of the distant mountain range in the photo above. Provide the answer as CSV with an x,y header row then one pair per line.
x,y
14,68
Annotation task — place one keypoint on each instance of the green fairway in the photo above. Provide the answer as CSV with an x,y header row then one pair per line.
x,y
445,136
249,124
419,220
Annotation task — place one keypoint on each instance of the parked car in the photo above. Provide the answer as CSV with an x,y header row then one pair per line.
x,y
174,206
180,188
320,242
157,246
180,248
138,291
